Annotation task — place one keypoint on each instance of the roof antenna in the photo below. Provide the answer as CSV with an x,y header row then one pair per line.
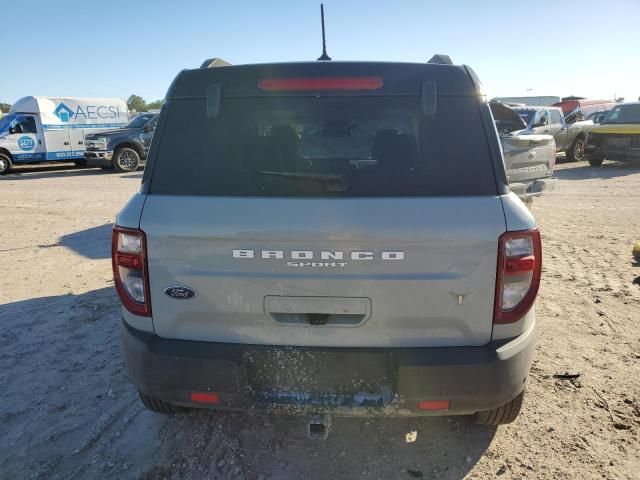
x,y
324,55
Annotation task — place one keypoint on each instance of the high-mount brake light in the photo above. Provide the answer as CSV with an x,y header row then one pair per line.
x,y
130,274
320,83
518,275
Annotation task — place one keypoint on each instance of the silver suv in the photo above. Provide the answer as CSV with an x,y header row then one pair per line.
x,y
320,238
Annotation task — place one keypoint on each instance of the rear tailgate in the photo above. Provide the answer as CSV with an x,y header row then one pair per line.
x,y
528,157
396,272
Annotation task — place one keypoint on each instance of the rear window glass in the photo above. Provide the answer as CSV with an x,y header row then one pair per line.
x,y
624,114
323,147
526,115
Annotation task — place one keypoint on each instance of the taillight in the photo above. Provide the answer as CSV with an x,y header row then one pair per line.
x,y
518,277
129,260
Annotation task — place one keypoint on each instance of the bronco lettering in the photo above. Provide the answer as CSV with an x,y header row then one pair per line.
x,y
309,255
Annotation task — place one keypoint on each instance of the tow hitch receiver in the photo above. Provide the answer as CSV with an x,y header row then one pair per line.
x,y
318,426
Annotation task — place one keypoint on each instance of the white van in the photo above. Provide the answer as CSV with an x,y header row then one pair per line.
x,y
45,129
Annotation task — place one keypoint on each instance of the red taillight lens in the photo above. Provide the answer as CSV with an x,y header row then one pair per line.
x,y
322,83
130,275
518,276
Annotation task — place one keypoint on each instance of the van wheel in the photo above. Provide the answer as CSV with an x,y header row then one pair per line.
x,y
158,406
576,152
5,164
502,415
126,160
596,162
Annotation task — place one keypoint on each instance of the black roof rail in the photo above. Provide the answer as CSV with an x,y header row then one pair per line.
x,y
214,62
441,59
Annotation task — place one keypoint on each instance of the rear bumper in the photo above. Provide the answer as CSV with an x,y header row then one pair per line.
x,y
99,158
342,381
598,152
535,188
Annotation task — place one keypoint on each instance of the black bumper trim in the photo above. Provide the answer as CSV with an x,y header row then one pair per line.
x,y
350,381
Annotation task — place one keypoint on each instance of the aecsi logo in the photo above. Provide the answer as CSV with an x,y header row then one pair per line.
x,y
87,112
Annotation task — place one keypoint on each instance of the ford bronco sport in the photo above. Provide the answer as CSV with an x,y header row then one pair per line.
x,y
321,238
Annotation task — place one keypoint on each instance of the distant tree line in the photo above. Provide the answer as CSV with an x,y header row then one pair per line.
x,y
5,107
139,104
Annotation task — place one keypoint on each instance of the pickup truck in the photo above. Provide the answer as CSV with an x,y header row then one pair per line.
x,y
123,149
328,246
529,158
570,138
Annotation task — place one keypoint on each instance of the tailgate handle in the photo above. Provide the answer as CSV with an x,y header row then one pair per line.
x,y
318,311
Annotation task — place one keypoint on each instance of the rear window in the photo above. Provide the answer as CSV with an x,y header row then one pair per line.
x,y
623,114
526,115
342,146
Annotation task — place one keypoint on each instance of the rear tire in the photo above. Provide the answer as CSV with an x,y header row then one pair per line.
x,y
126,159
159,406
596,162
5,164
502,415
576,152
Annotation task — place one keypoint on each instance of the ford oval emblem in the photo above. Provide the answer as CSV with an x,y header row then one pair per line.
x,y
180,293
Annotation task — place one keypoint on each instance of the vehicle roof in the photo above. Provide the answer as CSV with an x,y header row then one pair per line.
x,y
625,104
536,107
398,78
34,104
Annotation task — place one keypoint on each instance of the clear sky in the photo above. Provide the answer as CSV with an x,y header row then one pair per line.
x,y
116,48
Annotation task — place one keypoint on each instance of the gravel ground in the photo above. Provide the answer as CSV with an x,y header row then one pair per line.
x,y
68,411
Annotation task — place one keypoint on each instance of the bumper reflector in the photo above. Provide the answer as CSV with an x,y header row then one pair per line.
x,y
433,405
205,397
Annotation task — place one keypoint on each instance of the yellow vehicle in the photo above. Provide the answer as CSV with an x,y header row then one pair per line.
x,y
617,137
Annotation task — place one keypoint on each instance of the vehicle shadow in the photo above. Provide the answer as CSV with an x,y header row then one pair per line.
x,y
34,172
28,172
65,356
93,243
607,170
277,447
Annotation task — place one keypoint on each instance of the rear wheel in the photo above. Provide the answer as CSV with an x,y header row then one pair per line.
x,y
596,162
159,406
126,159
502,415
5,164
576,152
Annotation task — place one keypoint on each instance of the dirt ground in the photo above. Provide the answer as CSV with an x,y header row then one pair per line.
x,y
67,410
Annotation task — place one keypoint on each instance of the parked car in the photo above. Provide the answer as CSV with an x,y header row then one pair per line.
x,y
529,159
570,138
53,129
597,117
125,149
617,137
328,245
